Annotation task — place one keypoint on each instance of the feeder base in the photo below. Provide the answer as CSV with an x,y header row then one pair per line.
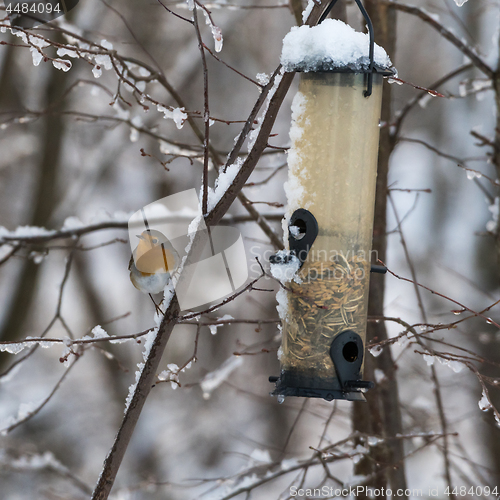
x,y
296,384
328,395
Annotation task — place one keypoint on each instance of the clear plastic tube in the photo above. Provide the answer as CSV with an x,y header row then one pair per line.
x,y
332,174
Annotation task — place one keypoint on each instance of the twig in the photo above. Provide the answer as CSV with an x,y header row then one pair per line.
x,y
433,93
174,13
267,179
206,114
231,67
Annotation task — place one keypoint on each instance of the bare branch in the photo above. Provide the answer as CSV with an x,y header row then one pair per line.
x,y
206,114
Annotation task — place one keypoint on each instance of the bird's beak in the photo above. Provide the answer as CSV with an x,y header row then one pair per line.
x,y
141,237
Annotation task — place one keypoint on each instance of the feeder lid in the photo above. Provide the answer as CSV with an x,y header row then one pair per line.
x,y
331,46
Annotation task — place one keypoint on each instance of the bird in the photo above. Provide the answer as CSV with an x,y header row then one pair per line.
x,y
152,262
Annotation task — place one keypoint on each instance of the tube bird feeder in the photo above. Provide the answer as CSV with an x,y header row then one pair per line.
x,y
330,208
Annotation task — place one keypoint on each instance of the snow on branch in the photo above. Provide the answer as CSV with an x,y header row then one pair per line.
x,y
99,336
33,234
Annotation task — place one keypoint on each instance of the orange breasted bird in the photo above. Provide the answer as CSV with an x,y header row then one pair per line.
x,y
152,262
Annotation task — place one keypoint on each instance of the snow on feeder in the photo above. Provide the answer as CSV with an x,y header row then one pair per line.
x,y
330,206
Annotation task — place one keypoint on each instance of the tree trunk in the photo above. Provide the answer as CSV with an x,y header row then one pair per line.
x,y
492,438
382,415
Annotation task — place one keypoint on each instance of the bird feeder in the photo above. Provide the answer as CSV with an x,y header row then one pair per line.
x,y
331,196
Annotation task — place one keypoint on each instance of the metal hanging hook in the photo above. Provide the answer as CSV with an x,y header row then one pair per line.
x,y
369,83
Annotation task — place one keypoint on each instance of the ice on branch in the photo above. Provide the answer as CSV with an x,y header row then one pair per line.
x,y
331,44
429,359
216,31
36,45
373,440
484,403
14,348
218,40
179,115
492,225
21,34
455,365
171,374
104,61
214,379
67,52
376,350
472,174
62,64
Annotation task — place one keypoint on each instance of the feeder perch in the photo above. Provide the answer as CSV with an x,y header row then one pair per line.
x,y
331,197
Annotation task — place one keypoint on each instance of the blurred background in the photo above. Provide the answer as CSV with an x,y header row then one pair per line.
x,y
71,148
